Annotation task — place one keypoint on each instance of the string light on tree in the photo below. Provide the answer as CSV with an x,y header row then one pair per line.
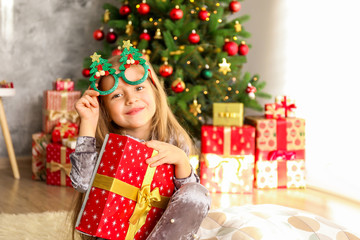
x,y
194,37
195,108
176,13
251,90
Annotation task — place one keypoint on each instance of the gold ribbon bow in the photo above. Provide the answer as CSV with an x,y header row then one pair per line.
x,y
274,111
55,166
144,204
62,114
64,167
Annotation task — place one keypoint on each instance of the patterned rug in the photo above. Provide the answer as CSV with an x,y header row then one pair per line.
x,y
39,226
249,222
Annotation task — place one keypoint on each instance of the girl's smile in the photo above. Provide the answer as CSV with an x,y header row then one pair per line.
x,y
134,111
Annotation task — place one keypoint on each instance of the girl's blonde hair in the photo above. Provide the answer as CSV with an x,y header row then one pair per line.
x,y
164,127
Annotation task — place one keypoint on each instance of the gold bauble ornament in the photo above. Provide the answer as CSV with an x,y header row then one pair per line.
x,y
224,67
129,29
158,34
237,26
195,108
106,16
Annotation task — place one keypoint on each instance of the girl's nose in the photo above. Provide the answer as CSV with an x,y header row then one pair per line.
x,y
131,99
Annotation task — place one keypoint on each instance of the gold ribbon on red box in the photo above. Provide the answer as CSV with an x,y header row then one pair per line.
x,y
64,167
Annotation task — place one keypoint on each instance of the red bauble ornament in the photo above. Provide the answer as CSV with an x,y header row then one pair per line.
x,y
178,86
86,72
143,8
111,36
145,36
116,52
176,13
251,90
98,34
243,49
124,10
194,37
234,6
203,15
231,48
165,70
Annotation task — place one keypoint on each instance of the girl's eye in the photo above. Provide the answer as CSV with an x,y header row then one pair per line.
x,y
139,88
117,95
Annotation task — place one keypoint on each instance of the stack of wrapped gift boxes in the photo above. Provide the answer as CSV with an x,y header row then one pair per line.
x,y
280,146
51,147
227,151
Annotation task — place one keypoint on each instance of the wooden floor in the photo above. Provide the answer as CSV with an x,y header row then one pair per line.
x,y
26,195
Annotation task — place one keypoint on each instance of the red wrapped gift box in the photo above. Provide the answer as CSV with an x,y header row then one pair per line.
x,y
231,174
58,165
64,84
64,130
121,184
59,105
228,140
38,163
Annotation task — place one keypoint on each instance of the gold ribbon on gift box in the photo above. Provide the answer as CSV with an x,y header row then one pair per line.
x,y
229,115
64,167
144,198
62,114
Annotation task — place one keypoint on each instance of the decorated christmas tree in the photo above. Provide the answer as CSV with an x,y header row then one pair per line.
x,y
197,52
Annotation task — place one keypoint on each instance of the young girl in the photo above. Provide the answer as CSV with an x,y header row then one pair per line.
x,y
140,110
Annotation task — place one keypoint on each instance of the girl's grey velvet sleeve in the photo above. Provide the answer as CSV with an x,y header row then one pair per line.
x,y
83,163
181,181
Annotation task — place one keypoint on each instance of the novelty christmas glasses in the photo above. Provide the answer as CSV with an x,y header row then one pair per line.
x,y
100,67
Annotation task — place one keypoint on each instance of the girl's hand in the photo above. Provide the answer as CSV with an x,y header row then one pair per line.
x,y
169,154
88,109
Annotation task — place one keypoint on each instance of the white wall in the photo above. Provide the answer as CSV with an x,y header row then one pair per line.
x,y
309,50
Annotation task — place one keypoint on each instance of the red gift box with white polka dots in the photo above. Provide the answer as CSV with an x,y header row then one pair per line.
x,y
58,164
279,153
108,213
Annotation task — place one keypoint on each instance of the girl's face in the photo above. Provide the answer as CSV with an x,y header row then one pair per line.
x,y
131,107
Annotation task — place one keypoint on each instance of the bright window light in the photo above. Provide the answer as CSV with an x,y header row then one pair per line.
x,y
322,46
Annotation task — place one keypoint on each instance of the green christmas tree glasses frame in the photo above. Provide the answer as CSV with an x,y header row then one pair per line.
x,y
100,67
